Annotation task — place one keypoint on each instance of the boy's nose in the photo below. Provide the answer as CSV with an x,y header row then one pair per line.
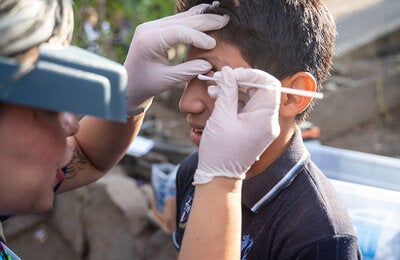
x,y
69,123
191,101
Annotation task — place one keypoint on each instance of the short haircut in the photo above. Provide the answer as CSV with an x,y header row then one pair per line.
x,y
281,37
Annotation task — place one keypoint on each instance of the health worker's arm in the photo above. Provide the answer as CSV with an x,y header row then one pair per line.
x,y
98,146
213,230
101,144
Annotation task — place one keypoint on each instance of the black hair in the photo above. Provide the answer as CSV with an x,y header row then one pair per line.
x,y
281,37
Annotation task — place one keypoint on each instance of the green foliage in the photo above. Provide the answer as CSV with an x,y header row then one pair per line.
x,y
121,17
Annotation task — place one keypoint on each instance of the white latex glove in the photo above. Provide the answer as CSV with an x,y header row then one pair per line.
x,y
232,140
149,71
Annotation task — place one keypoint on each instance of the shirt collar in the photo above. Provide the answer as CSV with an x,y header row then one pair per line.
x,y
262,188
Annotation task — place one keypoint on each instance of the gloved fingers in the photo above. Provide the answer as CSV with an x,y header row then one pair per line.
x,y
204,22
227,97
225,106
261,115
201,8
259,98
262,126
265,122
168,20
256,76
217,75
200,21
187,70
263,99
213,91
175,34
262,112
195,10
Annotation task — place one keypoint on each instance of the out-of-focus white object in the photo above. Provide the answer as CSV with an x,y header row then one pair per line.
x,y
140,146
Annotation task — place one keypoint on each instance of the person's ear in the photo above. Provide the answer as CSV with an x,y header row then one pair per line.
x,y
291,105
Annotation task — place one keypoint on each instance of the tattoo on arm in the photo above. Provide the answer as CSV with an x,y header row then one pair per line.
x,y
77,163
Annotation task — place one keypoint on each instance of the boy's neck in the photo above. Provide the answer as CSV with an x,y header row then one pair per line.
x,y
273,152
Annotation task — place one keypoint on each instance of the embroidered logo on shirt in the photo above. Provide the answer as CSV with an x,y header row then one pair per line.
x,y
247,244
186,211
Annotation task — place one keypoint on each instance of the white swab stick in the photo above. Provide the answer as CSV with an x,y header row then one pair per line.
x,y
299,92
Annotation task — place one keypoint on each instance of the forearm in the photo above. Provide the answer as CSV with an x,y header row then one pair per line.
x,y
105,142
98,146
214,227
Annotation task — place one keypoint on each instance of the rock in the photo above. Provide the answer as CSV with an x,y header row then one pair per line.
x,y
115,219
39,241
68,217
14,225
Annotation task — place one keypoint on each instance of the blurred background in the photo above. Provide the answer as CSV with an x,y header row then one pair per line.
x,y
106,27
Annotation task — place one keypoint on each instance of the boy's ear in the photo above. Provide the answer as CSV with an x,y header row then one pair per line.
x,y
291,105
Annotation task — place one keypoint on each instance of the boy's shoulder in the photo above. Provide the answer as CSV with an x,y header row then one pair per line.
x,y
301,213
186,170
190,160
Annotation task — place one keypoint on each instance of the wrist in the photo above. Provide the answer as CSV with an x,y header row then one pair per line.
x,y
134,110
223,184
203,177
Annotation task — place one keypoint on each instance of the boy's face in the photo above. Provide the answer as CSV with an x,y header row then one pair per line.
x,y
195,101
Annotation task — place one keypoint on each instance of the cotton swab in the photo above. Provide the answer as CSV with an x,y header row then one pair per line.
x,y
299,92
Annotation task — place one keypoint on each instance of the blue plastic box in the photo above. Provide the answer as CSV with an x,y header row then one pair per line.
x,y
370,188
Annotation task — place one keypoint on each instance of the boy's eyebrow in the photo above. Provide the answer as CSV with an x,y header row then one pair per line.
x,y
211,59
218,61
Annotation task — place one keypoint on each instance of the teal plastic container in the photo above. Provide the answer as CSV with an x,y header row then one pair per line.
x,y
369,186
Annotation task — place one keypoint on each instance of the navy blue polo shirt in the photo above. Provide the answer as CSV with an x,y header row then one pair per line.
x,y
290,210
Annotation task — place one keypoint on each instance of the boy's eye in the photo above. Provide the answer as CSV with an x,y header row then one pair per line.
x,y
211,75
214,69
211,72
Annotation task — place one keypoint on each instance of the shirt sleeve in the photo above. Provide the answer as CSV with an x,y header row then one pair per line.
x,y
184,196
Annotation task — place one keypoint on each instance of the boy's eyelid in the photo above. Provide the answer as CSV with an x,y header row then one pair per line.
x,y
210,73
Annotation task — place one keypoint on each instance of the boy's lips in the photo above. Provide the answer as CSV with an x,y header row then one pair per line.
x,y
197,131
195,134
60,175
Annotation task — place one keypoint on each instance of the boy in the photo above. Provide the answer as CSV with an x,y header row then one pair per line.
x,y
289,208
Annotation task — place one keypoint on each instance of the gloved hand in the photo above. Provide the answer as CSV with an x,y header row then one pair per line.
x,y
149,71
232,140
